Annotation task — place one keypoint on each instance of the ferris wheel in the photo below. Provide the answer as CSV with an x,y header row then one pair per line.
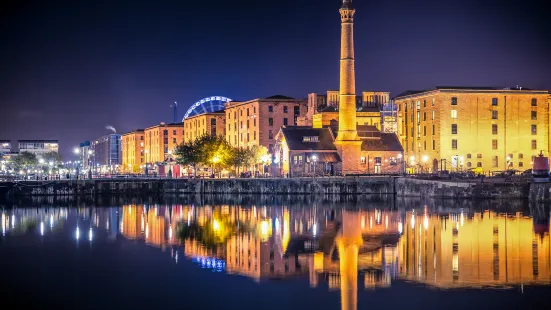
x,y
205,105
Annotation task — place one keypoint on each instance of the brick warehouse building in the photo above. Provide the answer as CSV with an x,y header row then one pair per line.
x,y
257,121
458,128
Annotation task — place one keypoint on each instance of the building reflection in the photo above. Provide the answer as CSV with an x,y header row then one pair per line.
x,y
485,249
342,250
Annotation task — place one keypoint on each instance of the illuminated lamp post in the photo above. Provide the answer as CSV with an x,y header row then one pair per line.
x,y
314,160
508,162
412,160
215,160
402,164
265,158
425,159
146,164
461,162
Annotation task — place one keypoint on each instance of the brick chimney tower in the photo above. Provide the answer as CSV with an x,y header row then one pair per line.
x,y
347,142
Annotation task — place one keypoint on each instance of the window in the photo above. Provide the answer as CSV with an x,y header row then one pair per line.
x,y
433,114
254,122
270,121
412,132
285,109
270,134
433,102
534,115
469,164
478,155
534,130
234,114
296,110
424,116
494,114
424,130
479,164
433,130
285,121
520,156
468,156
240,112
418,116
418,131
418,105
378,160
271,148
424,103
173,140
534,102
247,111
362,160
454,144
454,129
425,145
310,139
454,114
247,124
254,135
248,137
270,108
494,101
454,100
534,145
494,144
494,129
433,145
165,132
495,161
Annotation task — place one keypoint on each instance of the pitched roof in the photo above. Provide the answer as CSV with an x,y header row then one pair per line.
x,y
279,97
294,137
387,142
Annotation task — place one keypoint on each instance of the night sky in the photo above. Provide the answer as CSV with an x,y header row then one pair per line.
x,y
70,68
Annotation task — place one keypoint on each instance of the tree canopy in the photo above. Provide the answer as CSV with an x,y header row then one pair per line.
x,y
25,159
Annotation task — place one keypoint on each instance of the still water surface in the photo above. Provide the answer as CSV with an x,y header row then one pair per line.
x,y
276,254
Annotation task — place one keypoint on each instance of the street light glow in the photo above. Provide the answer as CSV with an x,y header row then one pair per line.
x,y
76,150
425,158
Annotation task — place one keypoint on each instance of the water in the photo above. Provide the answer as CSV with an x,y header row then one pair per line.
x,y
274,253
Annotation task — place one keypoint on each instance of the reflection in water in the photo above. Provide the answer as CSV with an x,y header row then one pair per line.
x,y
344,249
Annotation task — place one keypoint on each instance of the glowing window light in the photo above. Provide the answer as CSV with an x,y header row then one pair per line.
x,y
42,228
77,233
426,222
315,229
412,221
90,234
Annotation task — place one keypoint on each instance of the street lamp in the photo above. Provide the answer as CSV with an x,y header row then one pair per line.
x,y
215,160
76,150
265,159
314,159
425,159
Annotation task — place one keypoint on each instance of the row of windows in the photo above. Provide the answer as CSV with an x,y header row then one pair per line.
x,y
533,143
454,101
296,111
495,163
533,130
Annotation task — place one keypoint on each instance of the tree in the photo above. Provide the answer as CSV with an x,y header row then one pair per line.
x,y
24,160
260,155
188,154
52,157
240,157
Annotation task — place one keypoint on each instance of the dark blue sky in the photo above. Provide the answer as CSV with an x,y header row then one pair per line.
x,y
69,68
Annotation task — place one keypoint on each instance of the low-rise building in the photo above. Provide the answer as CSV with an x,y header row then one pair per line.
x,y
305,151
133,151
5,147
209,123
160,141
256,122
38,147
